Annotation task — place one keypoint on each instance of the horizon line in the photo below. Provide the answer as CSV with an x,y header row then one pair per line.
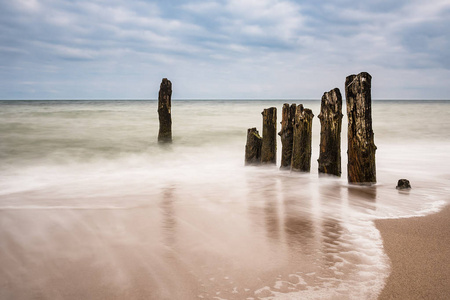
x,y
214,99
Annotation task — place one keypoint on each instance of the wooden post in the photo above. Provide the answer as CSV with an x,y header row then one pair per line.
x,y
164,112
269,138
287,135
301,151
361,146
330,133
253,147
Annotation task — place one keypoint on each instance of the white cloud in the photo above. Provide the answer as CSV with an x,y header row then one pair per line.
x,y
28,5
299,48
202,7
420,11
263,9
13,50
67,52
277,19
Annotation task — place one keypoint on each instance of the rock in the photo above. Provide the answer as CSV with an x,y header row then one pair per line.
x,y
403,184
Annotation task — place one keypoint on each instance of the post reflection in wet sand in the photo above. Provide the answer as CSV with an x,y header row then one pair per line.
x,y
362,197
168,221
331,196
298,219
331,240
175,274
271,212
263,206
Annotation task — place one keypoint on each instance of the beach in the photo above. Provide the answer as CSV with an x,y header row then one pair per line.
x,y
93,207
420,256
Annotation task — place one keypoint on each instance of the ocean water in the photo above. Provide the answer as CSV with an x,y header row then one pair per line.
x,y
92,207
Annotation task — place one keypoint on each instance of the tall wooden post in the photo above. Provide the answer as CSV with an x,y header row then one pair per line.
x,y
330,133
287,135
361,146
301,151
253,147
269,138
164,111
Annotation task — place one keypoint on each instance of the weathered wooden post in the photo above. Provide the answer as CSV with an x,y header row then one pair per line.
x,y
253,147
361,146
164,111
330,133
287,135
269,138
301,151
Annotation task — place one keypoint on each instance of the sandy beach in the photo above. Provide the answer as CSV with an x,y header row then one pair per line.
x,y
420,255
92,207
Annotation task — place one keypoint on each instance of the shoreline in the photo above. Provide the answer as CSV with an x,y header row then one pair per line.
x,y
419,251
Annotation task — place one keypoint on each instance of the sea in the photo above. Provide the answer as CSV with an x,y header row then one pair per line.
x,y
93,207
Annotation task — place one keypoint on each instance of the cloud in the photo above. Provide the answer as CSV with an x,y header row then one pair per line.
x,y
257,23
68,53
203,7
223,46
27,5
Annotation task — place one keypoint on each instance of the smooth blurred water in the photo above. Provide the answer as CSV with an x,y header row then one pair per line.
x,y
91,206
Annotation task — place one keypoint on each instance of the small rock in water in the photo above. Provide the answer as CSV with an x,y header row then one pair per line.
x,y
403,184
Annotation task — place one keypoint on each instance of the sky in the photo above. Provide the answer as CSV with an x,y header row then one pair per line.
x,y
222,49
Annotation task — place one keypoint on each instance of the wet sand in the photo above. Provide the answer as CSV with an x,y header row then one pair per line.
x,y
419,249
